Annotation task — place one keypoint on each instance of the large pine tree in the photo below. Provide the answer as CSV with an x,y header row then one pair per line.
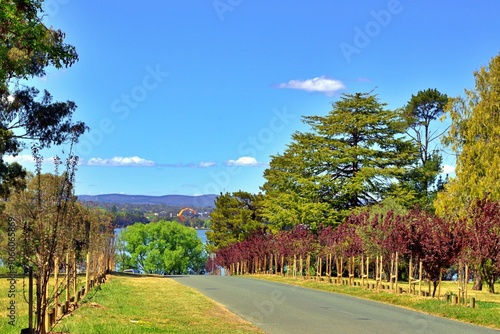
x,y
351,157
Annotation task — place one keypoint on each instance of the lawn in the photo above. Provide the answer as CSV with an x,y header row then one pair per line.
x,y
486,312
139,304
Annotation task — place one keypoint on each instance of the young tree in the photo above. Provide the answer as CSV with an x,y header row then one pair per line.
x,y
474,137
434,241
43,212
482,248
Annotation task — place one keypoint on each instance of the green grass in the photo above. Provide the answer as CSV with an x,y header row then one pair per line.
x,y
486,312
137,305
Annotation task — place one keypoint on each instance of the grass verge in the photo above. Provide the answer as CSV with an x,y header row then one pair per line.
x,y
486,313
138,305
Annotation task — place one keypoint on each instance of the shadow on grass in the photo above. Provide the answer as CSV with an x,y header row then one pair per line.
x,y
122,274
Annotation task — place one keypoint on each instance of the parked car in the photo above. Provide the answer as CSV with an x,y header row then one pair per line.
x,y
131,271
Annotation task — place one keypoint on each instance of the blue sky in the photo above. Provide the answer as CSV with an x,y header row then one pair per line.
x,y
193,97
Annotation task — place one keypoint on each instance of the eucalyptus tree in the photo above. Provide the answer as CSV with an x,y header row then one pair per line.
x,y
350,158
27,48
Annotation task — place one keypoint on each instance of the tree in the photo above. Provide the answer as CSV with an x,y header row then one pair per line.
x,y
434,241
420,112
164,248
292,196
482,249
27,47
474,138
42,211
351,157
235,218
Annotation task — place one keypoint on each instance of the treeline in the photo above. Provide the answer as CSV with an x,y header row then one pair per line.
x,y
385,246
126,214
50,232
363,160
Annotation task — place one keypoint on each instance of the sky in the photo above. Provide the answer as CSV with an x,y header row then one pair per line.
x,y
195,97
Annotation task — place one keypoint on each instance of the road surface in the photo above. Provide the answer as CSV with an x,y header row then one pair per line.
x,y
278,308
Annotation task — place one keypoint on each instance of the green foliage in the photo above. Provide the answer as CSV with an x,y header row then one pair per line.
x,y
421,111
235,217
27,47
351,158
163,248
475,137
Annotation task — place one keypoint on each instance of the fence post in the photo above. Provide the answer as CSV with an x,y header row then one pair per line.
x,y
88,272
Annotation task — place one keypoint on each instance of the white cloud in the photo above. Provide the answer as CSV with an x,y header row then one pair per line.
x,y
206,164
243,161
19,158
319,84
121,162
448,169
26,158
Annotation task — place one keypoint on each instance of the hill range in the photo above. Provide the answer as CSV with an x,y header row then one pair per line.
x,y
169,200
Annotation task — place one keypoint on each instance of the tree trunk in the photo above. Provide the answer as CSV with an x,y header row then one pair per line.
x,y
478,282
491,284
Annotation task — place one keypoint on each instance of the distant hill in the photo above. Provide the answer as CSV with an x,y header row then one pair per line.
x,y
169,200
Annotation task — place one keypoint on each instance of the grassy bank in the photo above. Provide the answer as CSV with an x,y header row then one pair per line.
x,y
486,312
137,305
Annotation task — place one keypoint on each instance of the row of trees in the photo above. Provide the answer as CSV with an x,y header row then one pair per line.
x,y
414,237
362,157
53,231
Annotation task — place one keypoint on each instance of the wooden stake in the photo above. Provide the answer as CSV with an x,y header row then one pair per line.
x,y
420,278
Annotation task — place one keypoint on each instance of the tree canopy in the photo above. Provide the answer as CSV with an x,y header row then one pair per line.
x,y
236,217
474,137
163,248
350,158
421,112
27,48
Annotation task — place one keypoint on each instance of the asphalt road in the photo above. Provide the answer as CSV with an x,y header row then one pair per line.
x,y
279,308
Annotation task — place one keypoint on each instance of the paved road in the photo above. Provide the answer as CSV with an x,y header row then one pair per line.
x,y
279,308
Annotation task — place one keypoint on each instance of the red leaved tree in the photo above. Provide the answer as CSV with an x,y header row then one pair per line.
x,y
482,249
